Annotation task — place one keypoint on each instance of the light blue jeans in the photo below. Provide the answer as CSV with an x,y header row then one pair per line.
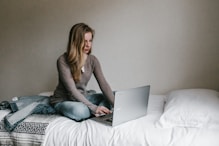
x,y
79,111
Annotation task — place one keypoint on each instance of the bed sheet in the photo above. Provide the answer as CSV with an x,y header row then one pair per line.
x,y
63,131
140,132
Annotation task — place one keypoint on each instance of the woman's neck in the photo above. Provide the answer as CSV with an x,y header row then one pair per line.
x,y
84,57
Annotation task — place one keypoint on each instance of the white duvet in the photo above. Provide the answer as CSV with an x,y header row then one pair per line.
x,y
140,132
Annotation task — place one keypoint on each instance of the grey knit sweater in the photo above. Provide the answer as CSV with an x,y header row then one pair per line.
x,y
68,90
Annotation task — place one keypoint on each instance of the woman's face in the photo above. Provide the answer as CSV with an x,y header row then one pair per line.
x,y
87,42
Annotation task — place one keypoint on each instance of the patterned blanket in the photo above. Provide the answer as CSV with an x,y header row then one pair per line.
x,y
29,132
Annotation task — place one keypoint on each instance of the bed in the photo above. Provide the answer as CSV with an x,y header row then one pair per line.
x,y
188,117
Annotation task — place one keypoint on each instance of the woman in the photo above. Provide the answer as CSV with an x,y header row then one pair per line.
x,y
75,68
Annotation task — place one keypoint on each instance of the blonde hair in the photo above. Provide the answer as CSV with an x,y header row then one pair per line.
x,y
75,48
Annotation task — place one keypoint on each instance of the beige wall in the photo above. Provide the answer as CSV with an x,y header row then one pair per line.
x,y
168,44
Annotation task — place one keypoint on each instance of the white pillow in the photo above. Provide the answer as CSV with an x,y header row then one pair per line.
x,y
190,108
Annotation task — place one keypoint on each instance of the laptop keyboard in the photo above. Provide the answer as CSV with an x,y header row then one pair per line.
x,y
108,117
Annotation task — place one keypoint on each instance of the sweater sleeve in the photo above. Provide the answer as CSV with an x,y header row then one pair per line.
x,y
103,84
69,84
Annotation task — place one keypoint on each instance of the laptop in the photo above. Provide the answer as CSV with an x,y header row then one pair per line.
x,y
129,104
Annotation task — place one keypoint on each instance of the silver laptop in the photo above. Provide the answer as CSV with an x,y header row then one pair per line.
x,y
129,104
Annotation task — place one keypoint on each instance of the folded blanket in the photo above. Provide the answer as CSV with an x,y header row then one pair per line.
x,y
26,106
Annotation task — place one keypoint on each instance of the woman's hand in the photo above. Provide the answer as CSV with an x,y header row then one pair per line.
x,y
101,110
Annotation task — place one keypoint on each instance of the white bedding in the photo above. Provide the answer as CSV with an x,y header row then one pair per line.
x,y
140,132
55,130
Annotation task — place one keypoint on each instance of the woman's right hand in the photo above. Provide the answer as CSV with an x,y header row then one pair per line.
x,y
101,110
